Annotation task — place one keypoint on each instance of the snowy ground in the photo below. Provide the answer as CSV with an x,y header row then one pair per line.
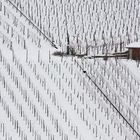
x,y
43,96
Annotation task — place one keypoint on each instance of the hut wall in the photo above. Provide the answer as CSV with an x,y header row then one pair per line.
x,y
130,53
135,53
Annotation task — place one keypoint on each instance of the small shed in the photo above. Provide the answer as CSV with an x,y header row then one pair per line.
x,y
134,50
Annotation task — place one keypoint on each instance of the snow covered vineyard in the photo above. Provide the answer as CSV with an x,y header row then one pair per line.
x,y
95,22
48,97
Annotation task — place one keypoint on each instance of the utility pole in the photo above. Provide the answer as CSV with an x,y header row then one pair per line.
x,y
87,47
68,40
74,20
58,26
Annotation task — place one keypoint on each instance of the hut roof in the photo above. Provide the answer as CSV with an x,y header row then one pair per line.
x,y
133,45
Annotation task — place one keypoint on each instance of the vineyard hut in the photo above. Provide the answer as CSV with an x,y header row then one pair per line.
x,y
134,50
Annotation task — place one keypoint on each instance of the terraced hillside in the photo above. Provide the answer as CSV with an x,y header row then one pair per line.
x,y
48,97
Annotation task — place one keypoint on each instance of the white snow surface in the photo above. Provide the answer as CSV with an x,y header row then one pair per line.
x,y
47,97
133,45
